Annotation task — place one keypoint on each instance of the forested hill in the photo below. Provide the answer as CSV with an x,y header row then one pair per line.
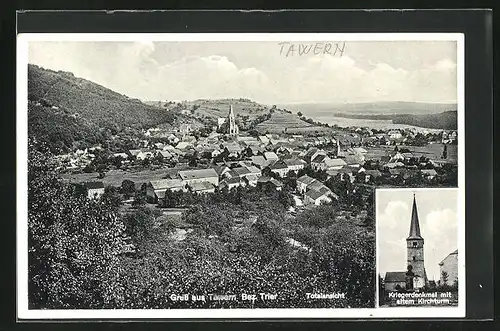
x,y
60,104
445,120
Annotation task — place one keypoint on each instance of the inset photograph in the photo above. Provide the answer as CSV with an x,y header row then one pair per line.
x,y
417,247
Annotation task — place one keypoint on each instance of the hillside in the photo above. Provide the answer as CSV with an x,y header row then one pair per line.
x,y
90,101
446,120
61,104
220,108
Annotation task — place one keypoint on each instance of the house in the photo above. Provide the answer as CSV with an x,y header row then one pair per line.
x,y
395,134
122,155
164,154
303,182
155,190
449,265
315,185
233,149
231,182
210,152
265,181
354,159
183,145
385,159
395,280
145,155
394,165
255,150
173,139
264,140
241,171
318,162
271,156
283,148
159,145
260,162
295,164
345,173
202,187
280,168
334,164
251,179
252,170
429,173
370,175
199,175
221,169
395,172
312,153
360,150
189,139
133,152
276,184
94,189
314,197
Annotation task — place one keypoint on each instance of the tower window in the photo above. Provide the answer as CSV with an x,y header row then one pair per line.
x,y
414,258
414,244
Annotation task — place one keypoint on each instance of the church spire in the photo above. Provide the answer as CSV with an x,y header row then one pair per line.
x,y
414,226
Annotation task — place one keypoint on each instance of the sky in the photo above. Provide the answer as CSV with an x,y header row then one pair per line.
x,y
266,72
437,211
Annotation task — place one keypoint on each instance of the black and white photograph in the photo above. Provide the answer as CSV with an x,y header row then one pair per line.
x,y
418,255
216,174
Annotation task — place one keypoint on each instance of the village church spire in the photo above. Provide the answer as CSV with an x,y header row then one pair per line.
x,y
233,128
415,247
414,225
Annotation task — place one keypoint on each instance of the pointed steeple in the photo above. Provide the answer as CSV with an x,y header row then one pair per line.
x,y
414,226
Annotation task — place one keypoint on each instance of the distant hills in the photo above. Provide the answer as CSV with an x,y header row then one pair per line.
x,y
426,115
64,109
371,108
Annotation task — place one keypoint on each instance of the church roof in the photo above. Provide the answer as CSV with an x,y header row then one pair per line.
x,y
414,226
395,276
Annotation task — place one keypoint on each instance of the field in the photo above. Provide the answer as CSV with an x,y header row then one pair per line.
x,y
220,108
279,121
432,151
116,177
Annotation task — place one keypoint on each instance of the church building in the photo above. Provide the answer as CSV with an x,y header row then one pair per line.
x,y
233,128
228,124
415,277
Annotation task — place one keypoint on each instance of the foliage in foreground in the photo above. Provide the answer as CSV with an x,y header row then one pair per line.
x,y
240,243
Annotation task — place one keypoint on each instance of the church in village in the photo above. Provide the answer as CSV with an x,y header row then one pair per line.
x,y
415,276
228,124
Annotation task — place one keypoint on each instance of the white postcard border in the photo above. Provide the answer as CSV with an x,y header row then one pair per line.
x,y
23,313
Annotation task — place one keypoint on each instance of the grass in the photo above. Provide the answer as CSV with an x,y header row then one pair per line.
x,y
433,151
279,121
116,177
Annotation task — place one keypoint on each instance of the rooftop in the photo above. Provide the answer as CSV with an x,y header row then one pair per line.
x,y
198,173
395,276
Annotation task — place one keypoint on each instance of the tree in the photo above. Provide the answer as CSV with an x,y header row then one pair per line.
x,y
299,114
444,278
445,152
128,187
73,243
139,200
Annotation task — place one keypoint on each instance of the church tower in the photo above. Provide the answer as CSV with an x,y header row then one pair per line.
x,y
233,128
415,246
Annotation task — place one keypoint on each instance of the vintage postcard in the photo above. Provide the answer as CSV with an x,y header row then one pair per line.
x,y
240,175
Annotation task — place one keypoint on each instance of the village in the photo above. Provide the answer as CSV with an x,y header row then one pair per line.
x,y
226,158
